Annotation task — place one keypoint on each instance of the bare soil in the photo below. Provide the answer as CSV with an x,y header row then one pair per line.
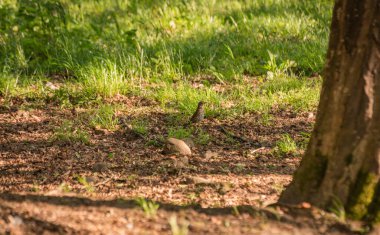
x,y
226,191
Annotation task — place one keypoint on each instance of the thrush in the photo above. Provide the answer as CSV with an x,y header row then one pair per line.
x,y
199,114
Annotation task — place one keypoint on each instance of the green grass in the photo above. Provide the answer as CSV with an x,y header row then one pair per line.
x,y
140,126
266,119
104,117
337,208
199,136
150,208
8,85
86,185
286,145
175,52
202,137
180,132
69,133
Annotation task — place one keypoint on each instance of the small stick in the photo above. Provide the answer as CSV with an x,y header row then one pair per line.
x,y
258,149
103,182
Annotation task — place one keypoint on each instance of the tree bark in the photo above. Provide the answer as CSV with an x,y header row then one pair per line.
x,y
342,161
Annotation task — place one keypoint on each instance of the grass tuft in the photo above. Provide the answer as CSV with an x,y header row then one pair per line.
x,y
67,132
149,207
286,145
105,118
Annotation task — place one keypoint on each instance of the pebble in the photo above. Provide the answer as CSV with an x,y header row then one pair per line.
x,y
178,146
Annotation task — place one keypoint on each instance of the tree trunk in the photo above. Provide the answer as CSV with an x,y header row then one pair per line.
x,y
342,161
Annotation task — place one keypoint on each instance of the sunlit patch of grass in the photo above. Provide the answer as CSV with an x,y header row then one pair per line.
x,y
72,94
202,137
186,98
140,126
266,119
31,88
149,207
64,187
215,43
180,132
68,132
283,92
303,99
105,78
8,86
199,136
104,118
84,182
286,145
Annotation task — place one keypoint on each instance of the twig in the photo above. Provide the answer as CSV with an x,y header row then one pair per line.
x,y
103,182
258,149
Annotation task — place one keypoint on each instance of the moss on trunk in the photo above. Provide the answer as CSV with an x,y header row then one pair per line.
x,y
362,195
374,209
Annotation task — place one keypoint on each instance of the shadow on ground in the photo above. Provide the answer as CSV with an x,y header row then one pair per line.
x,y
299,218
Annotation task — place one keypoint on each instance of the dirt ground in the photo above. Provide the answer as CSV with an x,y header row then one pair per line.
x,y
224,189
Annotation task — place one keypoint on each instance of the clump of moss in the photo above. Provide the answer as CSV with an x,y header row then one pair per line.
x,y
362,195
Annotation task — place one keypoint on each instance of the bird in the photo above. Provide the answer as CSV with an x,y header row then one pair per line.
x,y
199,114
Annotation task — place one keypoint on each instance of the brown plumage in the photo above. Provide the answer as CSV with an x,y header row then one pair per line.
x,y
199,114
